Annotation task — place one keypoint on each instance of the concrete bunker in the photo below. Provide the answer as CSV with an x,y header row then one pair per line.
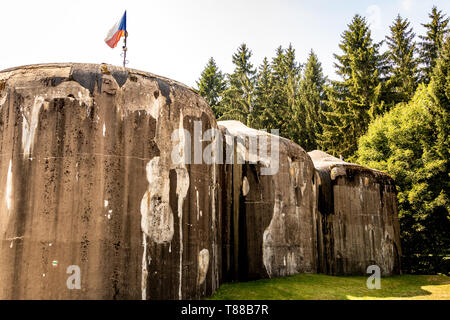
x,y
358,219
268,217
89,182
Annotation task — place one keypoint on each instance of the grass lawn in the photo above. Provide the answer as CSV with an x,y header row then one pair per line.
x,y
324,287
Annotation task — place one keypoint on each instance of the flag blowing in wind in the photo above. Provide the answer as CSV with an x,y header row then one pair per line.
x,y
117,32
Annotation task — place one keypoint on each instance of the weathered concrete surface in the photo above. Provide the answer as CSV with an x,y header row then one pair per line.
x,y
268,220
358,222
87,180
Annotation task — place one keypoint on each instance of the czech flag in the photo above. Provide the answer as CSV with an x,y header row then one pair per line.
x,y
117,32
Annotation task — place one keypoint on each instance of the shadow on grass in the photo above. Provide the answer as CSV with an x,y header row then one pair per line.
x,y
324,287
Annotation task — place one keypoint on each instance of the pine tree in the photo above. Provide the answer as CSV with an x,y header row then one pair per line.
x,y
432,42
309,114
403,66
211,85
293,71
279,78
356,99
286,73
238,98
264,97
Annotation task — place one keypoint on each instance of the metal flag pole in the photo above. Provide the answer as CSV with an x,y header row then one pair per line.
x,y
124,48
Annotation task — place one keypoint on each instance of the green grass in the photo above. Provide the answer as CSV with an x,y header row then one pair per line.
x,y
324,287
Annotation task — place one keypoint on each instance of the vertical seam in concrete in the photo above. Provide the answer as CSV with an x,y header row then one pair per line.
x,y
9,187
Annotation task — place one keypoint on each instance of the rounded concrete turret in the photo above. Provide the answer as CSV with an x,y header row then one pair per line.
x,y
92,205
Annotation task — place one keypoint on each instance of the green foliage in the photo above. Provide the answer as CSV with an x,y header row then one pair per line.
x,y
267,98
432,42
285,81
411,144
440,94
238,98
211,85
402,64
308,114
356,99
264,97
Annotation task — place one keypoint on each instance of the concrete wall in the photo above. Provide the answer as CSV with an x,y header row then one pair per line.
x,y
358,222
268,219
87,180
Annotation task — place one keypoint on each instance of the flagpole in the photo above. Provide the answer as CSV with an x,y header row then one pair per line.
x,y
124,48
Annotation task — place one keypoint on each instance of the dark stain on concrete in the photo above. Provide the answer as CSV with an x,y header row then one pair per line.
x,y
164,88
87,79
120,76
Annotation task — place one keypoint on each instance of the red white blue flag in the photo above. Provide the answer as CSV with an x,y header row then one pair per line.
x,y
117,32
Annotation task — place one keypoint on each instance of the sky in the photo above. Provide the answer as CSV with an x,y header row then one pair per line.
x,y
175,38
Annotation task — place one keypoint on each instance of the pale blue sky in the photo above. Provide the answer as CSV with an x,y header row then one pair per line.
x,y
175,38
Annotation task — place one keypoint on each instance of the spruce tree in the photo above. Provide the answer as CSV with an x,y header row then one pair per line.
x,y
293,71
286,73
279,78
264,96
238,98
211,86
432,42
309,113
402,64
356,99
